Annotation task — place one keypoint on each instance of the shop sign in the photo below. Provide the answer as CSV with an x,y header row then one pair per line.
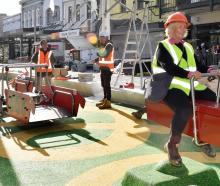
x,y
70,33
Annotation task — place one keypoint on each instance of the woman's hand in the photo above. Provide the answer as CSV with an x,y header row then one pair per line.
x,y
196,75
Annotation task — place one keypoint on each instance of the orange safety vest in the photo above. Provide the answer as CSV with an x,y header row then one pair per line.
x,y
107,61
44,59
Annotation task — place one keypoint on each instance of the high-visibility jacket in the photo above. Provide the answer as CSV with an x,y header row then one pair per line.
x,y
44,58
108,61
189,65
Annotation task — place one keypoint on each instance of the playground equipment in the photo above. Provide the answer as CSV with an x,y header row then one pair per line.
x,y
27,104
203,126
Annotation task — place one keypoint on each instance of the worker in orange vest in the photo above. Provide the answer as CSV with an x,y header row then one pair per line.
x,y
43,55
106,65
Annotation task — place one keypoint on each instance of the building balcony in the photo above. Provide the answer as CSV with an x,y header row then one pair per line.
x,y
181,5
189,4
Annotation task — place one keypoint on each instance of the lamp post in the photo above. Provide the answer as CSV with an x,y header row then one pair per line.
x,y
105,16
35,34
20,47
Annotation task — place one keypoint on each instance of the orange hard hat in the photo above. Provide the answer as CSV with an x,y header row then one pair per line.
x,y
176,17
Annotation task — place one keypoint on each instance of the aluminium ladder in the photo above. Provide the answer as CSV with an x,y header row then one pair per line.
x,y
136,41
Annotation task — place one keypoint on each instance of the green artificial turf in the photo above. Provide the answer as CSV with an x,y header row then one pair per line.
x,y
164,174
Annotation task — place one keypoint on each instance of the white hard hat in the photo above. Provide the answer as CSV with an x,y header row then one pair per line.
x,y
103,34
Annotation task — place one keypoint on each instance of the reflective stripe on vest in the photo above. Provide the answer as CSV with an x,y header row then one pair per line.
x,y
108,61
155,68
44,59
189,65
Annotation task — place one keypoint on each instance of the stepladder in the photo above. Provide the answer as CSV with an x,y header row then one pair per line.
x,y
137,51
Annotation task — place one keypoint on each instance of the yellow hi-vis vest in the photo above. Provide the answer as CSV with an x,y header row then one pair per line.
x,y
107,61
189,65
44,59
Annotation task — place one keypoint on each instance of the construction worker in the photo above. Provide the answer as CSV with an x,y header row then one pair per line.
x,y
176,57
43,55
106,65
139,113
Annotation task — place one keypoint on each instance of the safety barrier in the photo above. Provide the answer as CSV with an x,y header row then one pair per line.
x,y
213,59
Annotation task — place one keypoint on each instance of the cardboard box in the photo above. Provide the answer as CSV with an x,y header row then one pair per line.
x,y
60,72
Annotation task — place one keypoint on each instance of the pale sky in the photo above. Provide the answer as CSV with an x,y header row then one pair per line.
x,y
10,7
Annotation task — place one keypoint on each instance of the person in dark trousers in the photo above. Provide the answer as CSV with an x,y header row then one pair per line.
x,y
106,65
139,113
204,54
176,57
43,55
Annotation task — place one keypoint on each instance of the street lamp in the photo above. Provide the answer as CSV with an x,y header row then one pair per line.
x,y
35,22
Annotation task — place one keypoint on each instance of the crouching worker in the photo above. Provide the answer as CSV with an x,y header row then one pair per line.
x,y
175,57
106,65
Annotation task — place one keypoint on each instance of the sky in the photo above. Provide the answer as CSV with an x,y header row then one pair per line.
x,y
10,7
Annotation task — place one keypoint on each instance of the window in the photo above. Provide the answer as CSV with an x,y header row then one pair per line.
x,y
70,11
38,17
78,12
89,10
29,19
32,18
197,1
123,9
25,20
140,4
49,16
56,15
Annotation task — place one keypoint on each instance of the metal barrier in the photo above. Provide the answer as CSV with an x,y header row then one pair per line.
x,y
213,59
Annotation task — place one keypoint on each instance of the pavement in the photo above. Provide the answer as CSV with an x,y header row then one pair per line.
x,y
93,88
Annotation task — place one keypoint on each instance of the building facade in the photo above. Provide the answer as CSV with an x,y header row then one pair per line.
x,y
120,16
12,30
38,20
205,29
203,14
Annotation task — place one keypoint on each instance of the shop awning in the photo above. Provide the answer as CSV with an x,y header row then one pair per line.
x,y
80,43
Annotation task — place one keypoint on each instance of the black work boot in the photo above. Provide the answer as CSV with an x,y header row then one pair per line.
x,y
171,147
209,150
139,113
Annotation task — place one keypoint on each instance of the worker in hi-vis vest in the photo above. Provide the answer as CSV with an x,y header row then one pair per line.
x,y
43,55
175,57
106,65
